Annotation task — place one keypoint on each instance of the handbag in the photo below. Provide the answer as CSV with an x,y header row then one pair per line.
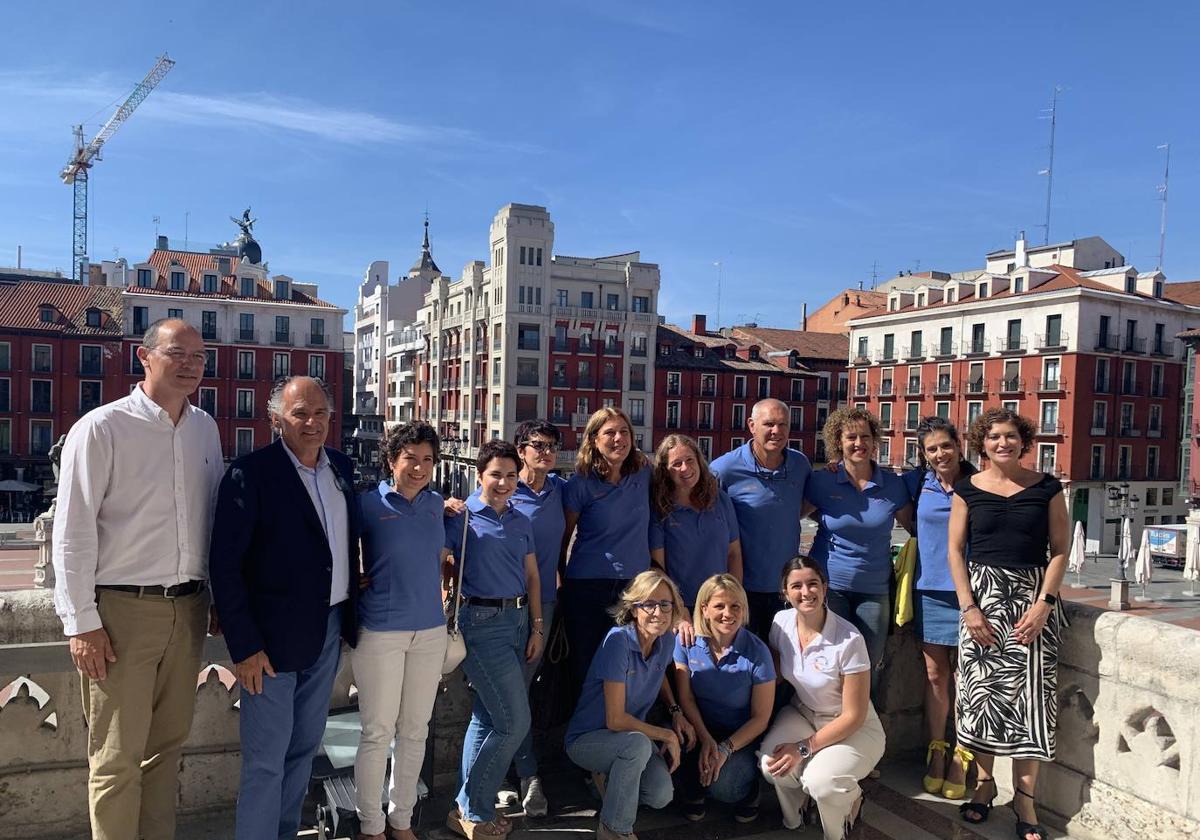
x,y
456,647
553,695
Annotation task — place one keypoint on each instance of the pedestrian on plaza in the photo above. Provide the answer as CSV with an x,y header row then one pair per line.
x,y
765,481
725,682
608,733
136,489
1008,543
539,495
285,568
402,628
607,500
856,505
693,527
502,627
829,736
934,601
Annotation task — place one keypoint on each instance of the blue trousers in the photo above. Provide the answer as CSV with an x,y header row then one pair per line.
x,y
280,732
871,614
636,774
525,762
495,667
585,603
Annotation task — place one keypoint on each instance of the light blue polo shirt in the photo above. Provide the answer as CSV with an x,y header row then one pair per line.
x,y
695,543
768,505
619,659
545,512
854,531
401,554
611,539
723,689
496,547
933,536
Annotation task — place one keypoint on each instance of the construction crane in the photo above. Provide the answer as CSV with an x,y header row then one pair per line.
x,y
85,154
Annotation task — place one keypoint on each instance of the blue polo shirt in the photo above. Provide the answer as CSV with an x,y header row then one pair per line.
x,y
619,659
545,512
768,505
401,554
854,531
611,537
933,533
723,689
695,543
496,547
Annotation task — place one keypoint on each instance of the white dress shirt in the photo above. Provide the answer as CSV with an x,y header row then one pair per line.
x,y
330,505
136,495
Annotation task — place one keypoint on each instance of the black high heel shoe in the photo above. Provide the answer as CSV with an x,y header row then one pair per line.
x,y
1024,829
978,812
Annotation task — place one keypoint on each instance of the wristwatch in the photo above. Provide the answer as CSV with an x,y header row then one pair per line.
x,y
726,747
674,709
802,746
1052,600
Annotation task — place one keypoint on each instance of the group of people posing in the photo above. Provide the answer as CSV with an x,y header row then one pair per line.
x,y
709,654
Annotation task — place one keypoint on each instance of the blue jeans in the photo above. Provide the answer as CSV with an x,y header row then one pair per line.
x,y
636,773
525,762
280,732
871,615
495,667
585,603
739,775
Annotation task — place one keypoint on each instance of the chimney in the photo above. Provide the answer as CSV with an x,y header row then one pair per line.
x,y
804,317
161,243
698,324
1022,258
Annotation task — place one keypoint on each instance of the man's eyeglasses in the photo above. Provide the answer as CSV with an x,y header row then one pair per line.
x,y
651,606
179,357
541,446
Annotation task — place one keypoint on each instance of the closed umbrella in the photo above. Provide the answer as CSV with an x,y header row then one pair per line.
x,y
11,485
1143,569
1075,558
1191,565
1126,549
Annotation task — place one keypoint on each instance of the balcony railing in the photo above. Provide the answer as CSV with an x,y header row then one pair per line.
x,y
585,382
913,389
945,349
1012,344
639,352
283,338
1163,348
943,386
886,424
528,343
1129,430
210,334
977,347
1010,385
527,380
1134,344
672,390
1132,389
1103,386
247,336
609,384
672,422
975,386
708,390
1159,390
862,359
1048,385
637,419
1049,427
560,418
887,354
1051,341
560,345
1107,341
1154,433
860,389
637,385
315,339
886,389
245,374
1125,472
612,349
560,382
914,352
579,419
1098,428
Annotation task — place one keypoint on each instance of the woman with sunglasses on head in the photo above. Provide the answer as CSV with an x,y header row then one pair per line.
x,y
1009,537
631,761
693,527
829,736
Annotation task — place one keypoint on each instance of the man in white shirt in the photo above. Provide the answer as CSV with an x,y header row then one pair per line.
x,y
136,494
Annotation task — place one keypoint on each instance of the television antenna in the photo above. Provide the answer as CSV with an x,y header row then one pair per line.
x,y
1051,114
1162,192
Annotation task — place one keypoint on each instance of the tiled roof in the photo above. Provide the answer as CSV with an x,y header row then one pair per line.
x,y
683,357
197,265
21,304
1186,291
810,345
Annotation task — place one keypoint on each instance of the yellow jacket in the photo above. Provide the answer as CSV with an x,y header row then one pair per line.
x,y
905,568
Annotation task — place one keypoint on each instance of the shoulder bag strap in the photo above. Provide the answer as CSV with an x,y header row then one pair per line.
x,y
462,559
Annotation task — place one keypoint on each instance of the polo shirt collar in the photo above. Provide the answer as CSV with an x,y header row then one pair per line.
x,y
631,639
737,646
876,479
752,463
386,489
477,505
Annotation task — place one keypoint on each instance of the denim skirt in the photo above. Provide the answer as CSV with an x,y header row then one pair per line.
x,y
937,616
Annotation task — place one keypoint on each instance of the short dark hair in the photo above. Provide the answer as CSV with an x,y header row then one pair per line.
x,y
928,426
409,434
151,337
493,449
536,427
801,561
984,422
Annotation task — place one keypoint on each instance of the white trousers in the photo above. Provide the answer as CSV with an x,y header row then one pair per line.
x,y
830,777
397,674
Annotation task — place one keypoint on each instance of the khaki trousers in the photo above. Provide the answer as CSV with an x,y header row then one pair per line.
x,y
139,716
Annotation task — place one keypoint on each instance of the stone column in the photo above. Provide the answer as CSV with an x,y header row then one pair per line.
x,y
43,535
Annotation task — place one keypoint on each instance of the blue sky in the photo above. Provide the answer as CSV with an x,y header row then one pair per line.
x,y
796,143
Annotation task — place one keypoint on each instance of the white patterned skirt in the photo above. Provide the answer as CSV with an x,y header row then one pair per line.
x,y
1007,701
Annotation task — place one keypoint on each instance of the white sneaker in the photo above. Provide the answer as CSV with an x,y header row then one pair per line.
x,y
507,797
533,800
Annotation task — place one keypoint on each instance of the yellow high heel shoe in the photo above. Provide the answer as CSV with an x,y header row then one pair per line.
x,y
963,757
931,784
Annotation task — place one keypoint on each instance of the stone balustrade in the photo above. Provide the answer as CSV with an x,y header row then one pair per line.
x,y
1129,726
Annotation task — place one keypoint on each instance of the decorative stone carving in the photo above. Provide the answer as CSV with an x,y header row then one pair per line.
x,y
1147,735
43,535
1077,713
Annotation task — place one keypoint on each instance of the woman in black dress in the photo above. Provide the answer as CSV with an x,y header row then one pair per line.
x,y
1009,535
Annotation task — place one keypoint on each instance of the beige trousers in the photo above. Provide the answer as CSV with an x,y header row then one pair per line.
x,y
830,777
139,716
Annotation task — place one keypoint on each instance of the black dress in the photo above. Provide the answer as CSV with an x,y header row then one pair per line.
x,y
1007,695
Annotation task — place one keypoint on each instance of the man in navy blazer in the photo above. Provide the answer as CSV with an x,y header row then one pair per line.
x,y
284,569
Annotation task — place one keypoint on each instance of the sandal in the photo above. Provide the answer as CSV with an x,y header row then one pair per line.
x,y
464,827
963,758
933,784
978,812
1025,829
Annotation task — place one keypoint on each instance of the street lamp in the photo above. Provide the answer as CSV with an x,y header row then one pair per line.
x,y
455,441
1124,506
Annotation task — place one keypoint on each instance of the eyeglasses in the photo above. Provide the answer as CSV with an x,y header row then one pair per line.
x,y
651,606
179,357
541,446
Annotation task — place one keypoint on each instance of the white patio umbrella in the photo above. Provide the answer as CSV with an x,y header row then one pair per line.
x,y
1075,558
1143,569
1191,565
1125,552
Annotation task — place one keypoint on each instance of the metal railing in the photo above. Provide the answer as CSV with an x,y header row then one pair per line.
x,y
977,346
247,336
280,337
975,386
1010,385
1049,427
1107,341
945,349
1050,341
1163,348
1134,344
315,339
914,352
1057,384
1012,344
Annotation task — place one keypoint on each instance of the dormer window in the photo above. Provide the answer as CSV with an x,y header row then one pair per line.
x,y
664,349
983,290
93,317
1130,285
730,351
247,286
920,298
145,278
178,281
754,354
698,351
1158,288
210,284
46,314
951,295
281,290
1018,285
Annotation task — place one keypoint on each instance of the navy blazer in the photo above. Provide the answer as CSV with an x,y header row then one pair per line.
x,y
269,560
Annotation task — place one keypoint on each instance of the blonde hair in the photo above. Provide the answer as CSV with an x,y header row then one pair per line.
x,y
662,486
589,461
639,589
718,583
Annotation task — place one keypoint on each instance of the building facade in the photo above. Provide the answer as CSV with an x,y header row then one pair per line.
x,y
532,334
1085,349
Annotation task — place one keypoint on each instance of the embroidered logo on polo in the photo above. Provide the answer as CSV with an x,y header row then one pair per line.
x,y
820,663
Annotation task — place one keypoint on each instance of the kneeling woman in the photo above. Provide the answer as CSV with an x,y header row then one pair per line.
x,y
608,733
725,682
501,621
829,736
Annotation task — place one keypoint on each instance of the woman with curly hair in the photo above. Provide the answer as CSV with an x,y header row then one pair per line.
x,y
856,505
693,527
607,501
1009,535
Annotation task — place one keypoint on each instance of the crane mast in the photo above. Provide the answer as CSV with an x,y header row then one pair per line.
x,y
86,153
